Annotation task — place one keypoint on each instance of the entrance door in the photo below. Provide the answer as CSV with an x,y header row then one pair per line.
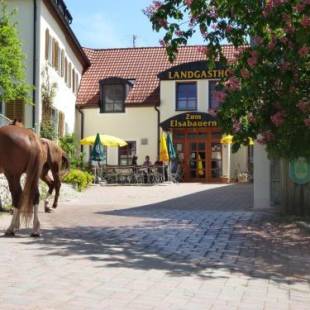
x,y
200,154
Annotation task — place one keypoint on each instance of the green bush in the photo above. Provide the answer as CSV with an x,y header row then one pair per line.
x,y
80,179
70,145
48,131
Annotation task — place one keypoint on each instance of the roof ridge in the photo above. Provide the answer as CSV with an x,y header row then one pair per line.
x,y
146,47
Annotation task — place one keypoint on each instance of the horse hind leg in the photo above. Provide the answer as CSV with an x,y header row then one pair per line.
x,y
50,183
36,222
16,191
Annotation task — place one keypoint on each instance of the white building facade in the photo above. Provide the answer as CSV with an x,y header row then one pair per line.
x,y
54,56
136,94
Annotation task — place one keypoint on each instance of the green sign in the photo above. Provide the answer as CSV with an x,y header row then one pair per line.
x,y
299,170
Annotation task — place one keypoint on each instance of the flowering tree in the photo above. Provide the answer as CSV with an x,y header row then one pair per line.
x,y
266,95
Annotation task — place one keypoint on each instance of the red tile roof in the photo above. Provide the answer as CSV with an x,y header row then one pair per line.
x,y
139,64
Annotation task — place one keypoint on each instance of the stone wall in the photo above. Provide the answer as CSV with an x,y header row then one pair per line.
x,y
5,196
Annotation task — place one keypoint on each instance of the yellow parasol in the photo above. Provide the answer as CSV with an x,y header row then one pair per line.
x,y
163,155
228,139
106,140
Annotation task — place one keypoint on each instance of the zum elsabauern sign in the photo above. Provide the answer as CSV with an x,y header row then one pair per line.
x,y
194,71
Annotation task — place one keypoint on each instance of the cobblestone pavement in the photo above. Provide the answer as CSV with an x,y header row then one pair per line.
x,y
186,246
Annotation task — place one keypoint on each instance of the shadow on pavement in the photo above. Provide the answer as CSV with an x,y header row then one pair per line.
x,y
183,238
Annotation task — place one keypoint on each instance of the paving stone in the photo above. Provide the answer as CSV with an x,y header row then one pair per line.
x,y
158,247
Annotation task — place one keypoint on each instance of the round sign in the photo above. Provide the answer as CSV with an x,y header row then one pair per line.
x,y
299,170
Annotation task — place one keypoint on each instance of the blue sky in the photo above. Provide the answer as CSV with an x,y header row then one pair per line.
x,y
112,23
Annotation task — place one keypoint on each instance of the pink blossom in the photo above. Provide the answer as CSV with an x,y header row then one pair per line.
x,y
258,40
229,28
179,33
219,96
236,126
252,61
162,43
303,51
305,22
162,22
267,136
277,118
303,106
284,40
272,44
213,13
232,83
188,2
251,118
307,122
299,7
214,26
153,8
245,73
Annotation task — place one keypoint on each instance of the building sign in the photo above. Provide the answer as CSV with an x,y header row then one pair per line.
x,y
194,71
299,170
190,120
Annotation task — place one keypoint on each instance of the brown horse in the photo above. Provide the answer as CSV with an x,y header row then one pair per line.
x,y
56,160
21,152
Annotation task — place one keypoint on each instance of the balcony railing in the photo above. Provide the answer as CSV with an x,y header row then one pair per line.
x,y
4,120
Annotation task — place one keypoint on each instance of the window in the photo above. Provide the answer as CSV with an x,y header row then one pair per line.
x,y
76,83
69,76
66,70
126,153
62,63
47,43
186,97
213,99
113,97
73,80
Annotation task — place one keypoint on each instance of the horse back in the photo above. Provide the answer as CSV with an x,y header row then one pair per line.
x,y
17,145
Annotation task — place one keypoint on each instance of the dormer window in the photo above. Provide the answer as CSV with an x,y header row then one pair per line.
x,y
113,92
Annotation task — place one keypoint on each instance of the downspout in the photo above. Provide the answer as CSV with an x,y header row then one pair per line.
x,y
158,129
34,66
82,126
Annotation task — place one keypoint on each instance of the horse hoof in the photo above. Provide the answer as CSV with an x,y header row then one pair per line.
x,y
47,210
54,206
9,234
35,235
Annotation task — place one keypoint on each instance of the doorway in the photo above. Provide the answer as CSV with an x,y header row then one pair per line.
x,y
200,154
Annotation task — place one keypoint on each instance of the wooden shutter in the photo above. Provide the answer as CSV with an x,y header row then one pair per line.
x,y
73,80
69,76
61,124
66,70
62,63
47,43
15,110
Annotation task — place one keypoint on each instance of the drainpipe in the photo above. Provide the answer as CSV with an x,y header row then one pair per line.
x,y
34,66
158,128
82,126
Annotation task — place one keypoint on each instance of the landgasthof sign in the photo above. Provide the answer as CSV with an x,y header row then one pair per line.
x,y
190,120
197,74
194,71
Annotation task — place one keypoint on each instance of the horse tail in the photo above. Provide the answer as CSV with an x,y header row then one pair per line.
x,y
65,162
65,165
33,172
